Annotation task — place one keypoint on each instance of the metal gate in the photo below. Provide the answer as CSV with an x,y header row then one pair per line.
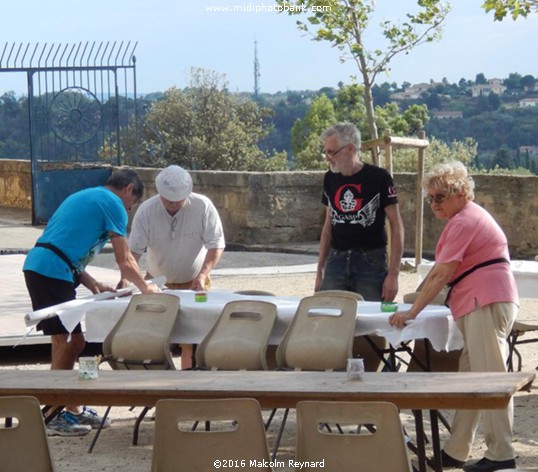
x,y
82,110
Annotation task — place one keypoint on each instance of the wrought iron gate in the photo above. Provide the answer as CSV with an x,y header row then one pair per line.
x,y
82,109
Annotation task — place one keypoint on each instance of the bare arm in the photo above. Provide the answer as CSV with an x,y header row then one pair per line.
x,y
390,285
123,283
324,247
437,279
93,285
128,265
211,259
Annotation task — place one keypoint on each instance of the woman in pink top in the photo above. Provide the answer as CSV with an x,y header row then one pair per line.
x,y
472,259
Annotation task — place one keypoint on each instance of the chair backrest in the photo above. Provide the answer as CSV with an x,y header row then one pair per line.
x,y
141,337
320,335
361,346
438,300
347,293
240,435
23,439
381,450
238,340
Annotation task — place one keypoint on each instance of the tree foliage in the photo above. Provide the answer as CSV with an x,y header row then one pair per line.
x,y
343,23
347,105
514,8
405,160
207,128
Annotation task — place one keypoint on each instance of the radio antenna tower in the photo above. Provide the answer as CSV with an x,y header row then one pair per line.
x,y
256,71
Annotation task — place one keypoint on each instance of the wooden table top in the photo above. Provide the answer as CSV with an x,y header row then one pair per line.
x,y
410,390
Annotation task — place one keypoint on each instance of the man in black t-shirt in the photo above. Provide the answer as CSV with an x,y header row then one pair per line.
x,y
358,197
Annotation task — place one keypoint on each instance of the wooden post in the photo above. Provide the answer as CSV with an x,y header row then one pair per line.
x,y
388,150
388,166
419,203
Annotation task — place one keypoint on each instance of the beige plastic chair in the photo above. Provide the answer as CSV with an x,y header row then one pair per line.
x,y
362,345
23,439
438,300
320,335
240,438
140,340
381,450
319,338
238,340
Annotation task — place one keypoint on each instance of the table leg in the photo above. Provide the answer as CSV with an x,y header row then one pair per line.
x,y
421,440
436,444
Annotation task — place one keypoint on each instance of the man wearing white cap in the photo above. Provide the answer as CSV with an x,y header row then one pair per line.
x,y
182,234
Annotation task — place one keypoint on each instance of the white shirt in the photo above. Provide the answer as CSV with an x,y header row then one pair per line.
x,y
176,245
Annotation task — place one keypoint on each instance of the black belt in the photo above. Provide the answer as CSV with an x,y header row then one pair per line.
x,y
458,279
63,257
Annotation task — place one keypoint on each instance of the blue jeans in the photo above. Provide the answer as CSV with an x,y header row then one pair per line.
x,y
356,270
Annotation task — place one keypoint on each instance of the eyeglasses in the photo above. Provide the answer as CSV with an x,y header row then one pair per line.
x,y
437,198
332,153
173,229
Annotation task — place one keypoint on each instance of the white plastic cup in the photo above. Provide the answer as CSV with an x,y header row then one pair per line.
x,y
88,368
355,368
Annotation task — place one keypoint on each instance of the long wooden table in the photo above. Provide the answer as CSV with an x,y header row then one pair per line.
x,y
274,389
411,390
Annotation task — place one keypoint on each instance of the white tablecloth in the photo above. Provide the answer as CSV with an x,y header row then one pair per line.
x,y
196,319
525,273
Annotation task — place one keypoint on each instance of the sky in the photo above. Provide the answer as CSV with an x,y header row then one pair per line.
x,y
173,36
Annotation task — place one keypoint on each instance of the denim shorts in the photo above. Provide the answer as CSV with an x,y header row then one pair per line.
x,y
357,270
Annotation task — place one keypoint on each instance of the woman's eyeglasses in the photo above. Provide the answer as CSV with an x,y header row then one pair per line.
x,y
437,198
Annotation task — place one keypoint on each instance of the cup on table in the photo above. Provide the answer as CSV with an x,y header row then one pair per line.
x,y
389,307
200,297
355,368
88,368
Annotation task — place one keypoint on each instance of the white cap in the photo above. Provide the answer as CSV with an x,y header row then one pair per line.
x,y
174,183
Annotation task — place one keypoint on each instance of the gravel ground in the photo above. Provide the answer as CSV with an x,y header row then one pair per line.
x,y
114,452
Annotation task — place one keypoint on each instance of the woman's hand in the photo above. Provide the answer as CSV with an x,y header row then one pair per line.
x,y
399,318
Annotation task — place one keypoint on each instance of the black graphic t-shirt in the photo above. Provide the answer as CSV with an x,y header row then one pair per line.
x,y
356,204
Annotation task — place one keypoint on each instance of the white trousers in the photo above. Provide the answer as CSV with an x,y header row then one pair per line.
x,y
485,350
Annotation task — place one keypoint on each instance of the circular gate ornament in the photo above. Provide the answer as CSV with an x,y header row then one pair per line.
x,y
75,115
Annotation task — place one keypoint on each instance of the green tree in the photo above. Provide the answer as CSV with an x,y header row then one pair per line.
x,y
405,160
344,23
515,8
348,105
305,133
503,159
480,79
206,128
528,81
513,81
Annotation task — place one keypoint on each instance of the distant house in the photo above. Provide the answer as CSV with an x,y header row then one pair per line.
x,y
447,115
413,92
493,86
532,151
528,102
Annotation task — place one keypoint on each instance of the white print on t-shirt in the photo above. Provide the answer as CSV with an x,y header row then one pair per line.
x,y
365,216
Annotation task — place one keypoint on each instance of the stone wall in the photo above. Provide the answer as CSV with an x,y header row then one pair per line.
x,y
266,208
15,183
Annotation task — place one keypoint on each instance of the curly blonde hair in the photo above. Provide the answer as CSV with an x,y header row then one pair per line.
x,y
451,178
